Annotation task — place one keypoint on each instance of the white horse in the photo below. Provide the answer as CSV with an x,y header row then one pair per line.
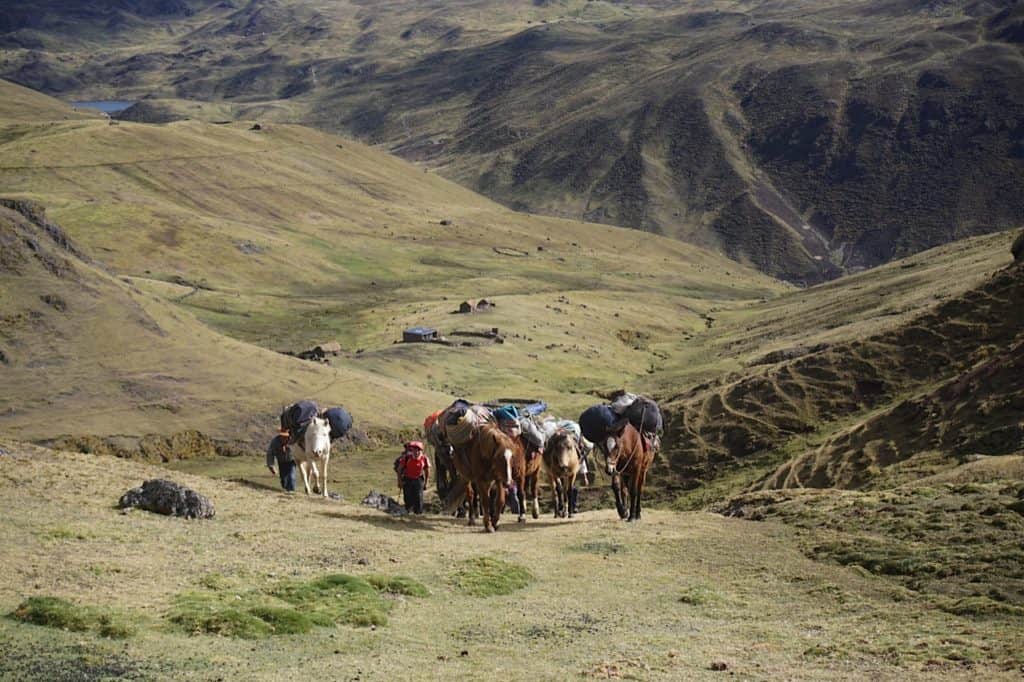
x,y
314,452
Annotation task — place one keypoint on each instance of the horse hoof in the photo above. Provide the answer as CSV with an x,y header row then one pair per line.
x,y
536,514
489,529
522,519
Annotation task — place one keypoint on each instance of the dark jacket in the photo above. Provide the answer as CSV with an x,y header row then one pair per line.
x,y
277,453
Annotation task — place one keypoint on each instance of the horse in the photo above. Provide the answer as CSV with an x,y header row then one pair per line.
x,y
526,461
315,452
487,464
444,474
628,459
562,462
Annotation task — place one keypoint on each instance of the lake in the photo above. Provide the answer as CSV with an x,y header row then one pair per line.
x,y
109,106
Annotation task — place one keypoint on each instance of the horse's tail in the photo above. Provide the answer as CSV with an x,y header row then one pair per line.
x,y
456,494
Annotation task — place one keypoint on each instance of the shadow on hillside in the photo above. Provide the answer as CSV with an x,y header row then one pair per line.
x,y
402,523
254,484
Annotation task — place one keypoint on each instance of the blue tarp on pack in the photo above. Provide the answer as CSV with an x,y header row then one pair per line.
x,y
596,422
340,421
533,409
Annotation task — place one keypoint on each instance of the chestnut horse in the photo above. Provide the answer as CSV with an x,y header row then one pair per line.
x,y
562,462
486,463
629,458
526,460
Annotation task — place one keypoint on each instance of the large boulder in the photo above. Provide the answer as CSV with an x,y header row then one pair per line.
x,y
1018,248
168,498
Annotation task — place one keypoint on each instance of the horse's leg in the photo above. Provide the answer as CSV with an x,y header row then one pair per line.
x,y
323,475
471,496
497,505
641,479
620,504
304,470
631,483
521,499
571,480
533,494
554,492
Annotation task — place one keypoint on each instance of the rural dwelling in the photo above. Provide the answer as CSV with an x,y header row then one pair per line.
x,y
483,304
466,307
420,335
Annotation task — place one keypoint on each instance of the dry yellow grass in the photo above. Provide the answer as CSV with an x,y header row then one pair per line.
x,y
660,600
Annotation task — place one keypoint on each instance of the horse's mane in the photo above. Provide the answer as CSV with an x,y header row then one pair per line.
x,y
497,436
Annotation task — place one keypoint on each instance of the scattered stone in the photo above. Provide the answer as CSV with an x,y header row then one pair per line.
x,y
168,498
256,126
55,302
384,503
249,248
446,222
1018,248
719,666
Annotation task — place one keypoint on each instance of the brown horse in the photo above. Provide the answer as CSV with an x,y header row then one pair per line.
x,y
526,462
629,458
562,462
486,463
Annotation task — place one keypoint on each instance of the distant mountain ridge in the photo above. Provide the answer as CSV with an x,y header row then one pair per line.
x,y
805,138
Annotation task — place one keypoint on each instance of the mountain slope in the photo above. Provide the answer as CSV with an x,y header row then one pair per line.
x,y
804,138
943,381
283,237
85,353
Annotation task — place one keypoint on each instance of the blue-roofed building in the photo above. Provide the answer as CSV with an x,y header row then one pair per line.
x,y
420,335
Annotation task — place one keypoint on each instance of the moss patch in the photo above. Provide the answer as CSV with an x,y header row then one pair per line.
x,y
398,584
62,614
290,607
487,577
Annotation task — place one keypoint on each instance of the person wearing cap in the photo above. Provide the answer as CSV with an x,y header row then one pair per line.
x,y
413,470
277,452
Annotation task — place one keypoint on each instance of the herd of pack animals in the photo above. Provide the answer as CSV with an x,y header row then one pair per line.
x,y
481,457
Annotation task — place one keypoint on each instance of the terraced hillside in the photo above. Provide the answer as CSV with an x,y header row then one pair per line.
x,y
804,138
945,380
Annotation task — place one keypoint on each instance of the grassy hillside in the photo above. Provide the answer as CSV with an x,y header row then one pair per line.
x,y
837,408
804,138
252,241
666,599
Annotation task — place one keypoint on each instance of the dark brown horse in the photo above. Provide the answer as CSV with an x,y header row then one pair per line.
x,y
629,458
486,464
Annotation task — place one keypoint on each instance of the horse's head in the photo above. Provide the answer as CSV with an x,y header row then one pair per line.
x,y
318,437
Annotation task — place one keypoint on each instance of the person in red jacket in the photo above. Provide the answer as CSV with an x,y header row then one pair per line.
x,y
413,469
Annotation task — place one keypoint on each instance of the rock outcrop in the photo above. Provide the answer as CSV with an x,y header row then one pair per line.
x,y
168,498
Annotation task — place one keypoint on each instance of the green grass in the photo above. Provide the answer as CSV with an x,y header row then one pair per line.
x,y
54,612
290,607
488,577
398,584
700,595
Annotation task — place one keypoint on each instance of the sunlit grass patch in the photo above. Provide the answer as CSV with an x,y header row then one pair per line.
x,y
398,584
62,614
336,599
290,607
487,577
699,595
